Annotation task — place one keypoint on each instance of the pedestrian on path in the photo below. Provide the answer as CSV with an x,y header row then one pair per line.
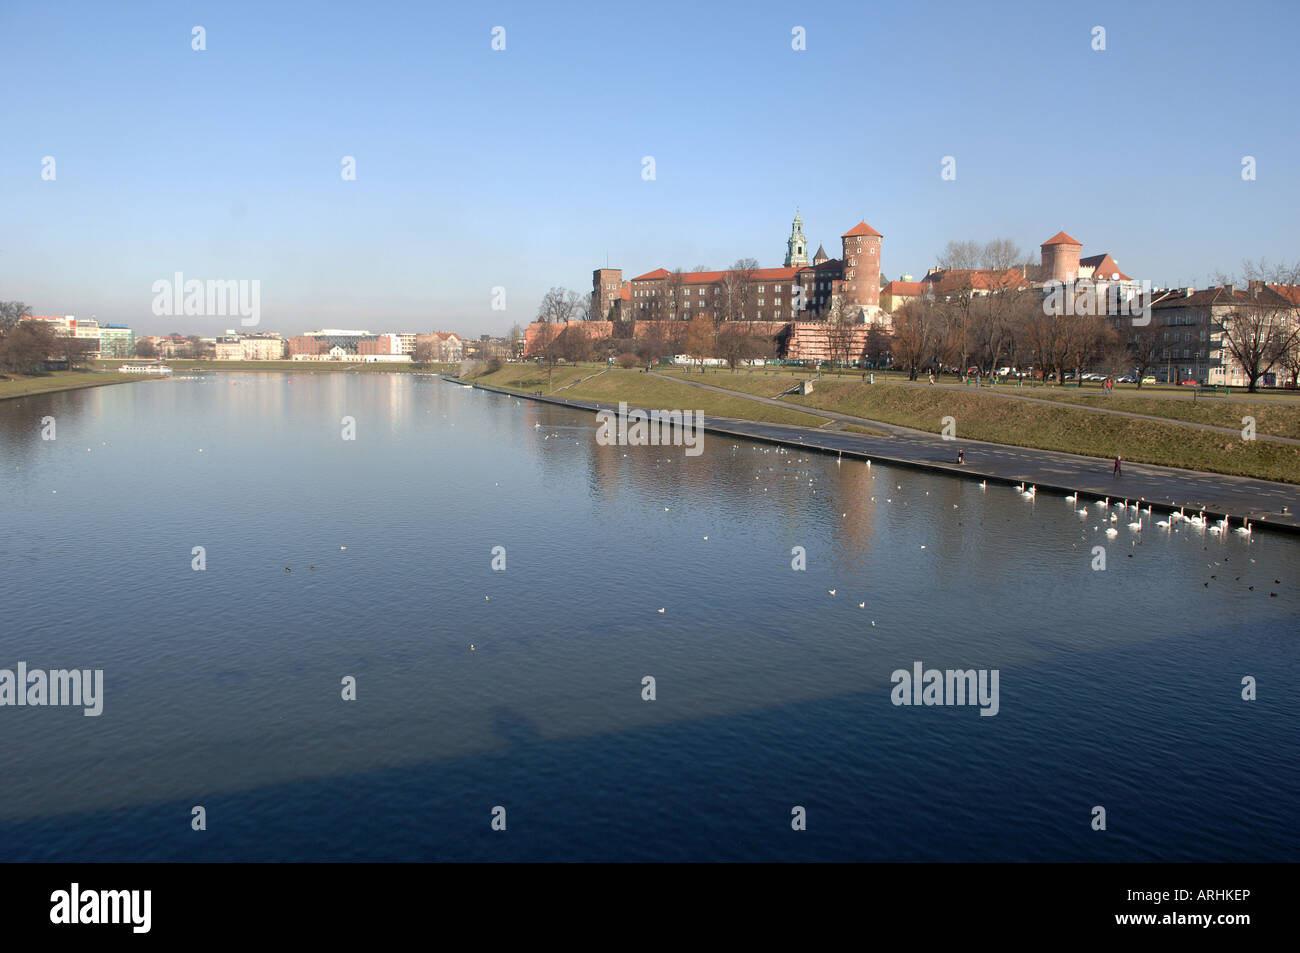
x,y
961,456
1118,470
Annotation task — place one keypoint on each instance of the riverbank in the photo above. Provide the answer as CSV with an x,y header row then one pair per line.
x,y
1184,436
18,386
1270,504
179,365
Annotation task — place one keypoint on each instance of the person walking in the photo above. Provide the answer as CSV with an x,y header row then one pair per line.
x,y
1118,470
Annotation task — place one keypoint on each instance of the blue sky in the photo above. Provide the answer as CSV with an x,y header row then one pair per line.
x,y
522,168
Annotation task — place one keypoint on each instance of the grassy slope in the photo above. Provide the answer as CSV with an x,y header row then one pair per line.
x,y
644,391
59,380
764,385
1276,418
982,416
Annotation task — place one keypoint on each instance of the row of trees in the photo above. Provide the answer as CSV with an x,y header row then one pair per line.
x,y
25,346
701,337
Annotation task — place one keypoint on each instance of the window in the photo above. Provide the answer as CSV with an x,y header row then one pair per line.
x,y
760,289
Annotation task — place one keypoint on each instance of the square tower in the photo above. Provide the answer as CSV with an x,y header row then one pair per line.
x,y
606,286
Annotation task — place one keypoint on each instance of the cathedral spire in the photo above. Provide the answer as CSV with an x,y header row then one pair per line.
x,y
796,246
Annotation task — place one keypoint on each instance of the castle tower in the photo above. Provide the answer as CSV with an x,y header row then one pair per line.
x,y
862,268
606,285
1060,258
796,246
821,257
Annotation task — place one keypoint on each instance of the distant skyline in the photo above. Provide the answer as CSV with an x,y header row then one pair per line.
x,y
522,168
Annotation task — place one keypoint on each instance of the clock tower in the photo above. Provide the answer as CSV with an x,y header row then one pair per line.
x,y
796,246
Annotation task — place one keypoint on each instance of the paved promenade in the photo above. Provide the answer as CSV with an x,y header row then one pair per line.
x,y
1269,504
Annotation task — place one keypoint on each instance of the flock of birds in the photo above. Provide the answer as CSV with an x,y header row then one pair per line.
x,y
1196,520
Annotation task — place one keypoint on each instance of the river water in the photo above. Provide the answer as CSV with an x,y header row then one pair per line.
x,y
222,688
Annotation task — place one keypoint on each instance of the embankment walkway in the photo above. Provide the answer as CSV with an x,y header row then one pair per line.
x,y
1275,505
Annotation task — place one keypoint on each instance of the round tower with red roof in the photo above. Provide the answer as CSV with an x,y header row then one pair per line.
x,y
862,268
1060,257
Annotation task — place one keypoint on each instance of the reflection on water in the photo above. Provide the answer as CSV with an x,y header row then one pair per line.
x,y
222,687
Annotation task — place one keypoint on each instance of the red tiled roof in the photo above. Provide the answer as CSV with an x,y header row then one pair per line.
x,y
902,288
1290,292
1222,297
862,228
1060,238
1103,267
713,277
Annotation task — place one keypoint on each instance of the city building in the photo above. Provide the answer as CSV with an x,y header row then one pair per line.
x,y
1190,326
797,291
116,340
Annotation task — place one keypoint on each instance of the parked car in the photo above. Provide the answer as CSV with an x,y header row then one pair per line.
x,y
1148,379
1128,380
1189,383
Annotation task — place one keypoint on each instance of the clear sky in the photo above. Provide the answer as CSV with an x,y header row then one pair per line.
x,y
523,168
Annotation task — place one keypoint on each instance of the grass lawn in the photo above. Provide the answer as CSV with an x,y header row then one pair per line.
x,y
983,416
19,386
530,377
1279,418
760,384
644,391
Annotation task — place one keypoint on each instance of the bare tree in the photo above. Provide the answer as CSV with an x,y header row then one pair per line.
x,y
1259,328
840,333
26,346
78,352
424,352
916,334
701,338
1143,345
146,349
878,344
654,344
559,306
11,312
739,341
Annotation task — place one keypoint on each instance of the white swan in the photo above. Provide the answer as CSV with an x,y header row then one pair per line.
x,y
1136,527
1112,531
1244,528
